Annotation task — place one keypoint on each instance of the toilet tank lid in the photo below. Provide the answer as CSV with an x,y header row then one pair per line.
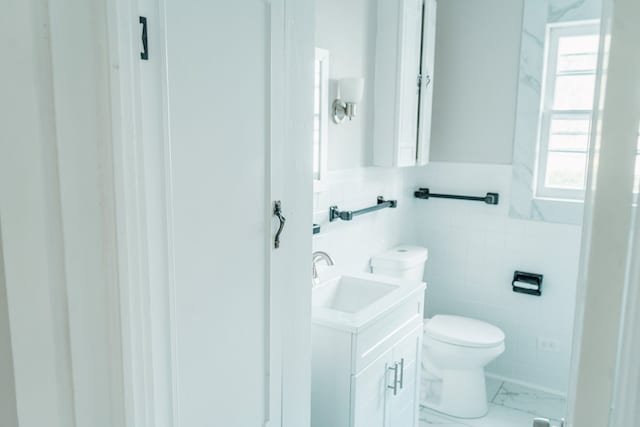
x,y
463,331
401,257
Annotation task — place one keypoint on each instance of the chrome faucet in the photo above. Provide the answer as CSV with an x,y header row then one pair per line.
x,y
319,256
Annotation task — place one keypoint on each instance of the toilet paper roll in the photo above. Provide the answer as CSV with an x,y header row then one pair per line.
x,y
525,285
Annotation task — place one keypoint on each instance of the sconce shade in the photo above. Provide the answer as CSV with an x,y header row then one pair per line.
x,y
351,89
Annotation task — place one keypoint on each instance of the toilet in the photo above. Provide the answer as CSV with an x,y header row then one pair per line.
x,y
455,349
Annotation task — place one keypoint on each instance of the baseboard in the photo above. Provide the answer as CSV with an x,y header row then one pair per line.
x,y
527,384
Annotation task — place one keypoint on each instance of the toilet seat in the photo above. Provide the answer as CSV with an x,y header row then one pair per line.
x,y
463,331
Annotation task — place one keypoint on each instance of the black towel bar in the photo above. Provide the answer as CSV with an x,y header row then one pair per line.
x,y
335,213
490,198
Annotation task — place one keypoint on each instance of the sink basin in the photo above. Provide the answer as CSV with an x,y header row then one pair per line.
x,y
351,301
350,294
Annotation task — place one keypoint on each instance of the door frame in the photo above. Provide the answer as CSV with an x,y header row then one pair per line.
x,y
608,300
64,308
147,322
292,48
148,350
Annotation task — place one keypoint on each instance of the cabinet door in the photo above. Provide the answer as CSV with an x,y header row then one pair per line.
x,y
397,66
368,393
426,80
402,407
405,44
409,70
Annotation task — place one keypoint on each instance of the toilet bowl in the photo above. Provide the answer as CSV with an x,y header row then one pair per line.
x,y
455,349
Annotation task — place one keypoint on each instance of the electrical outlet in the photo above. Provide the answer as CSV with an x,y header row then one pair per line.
x,y
548,344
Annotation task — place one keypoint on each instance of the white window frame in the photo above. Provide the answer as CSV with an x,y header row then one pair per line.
x,y
554,33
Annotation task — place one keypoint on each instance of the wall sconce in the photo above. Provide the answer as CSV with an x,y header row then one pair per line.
x,y
345,105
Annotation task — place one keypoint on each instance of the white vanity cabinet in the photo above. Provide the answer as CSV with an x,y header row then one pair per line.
x,y
385,393
404,63
369,377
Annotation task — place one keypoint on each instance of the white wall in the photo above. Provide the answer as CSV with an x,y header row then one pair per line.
x,y
476,73
474,249
347,30
8,409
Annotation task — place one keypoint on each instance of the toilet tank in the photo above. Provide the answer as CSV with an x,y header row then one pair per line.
x,y
406,262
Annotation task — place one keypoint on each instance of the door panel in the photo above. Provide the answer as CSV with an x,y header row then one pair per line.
x,y
369,392
292,75
411,11
218,85
427,81
403,407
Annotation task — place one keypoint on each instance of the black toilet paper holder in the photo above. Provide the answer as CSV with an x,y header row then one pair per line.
x,y
527,283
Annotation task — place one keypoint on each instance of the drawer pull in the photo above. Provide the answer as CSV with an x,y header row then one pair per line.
x,y
394,387
401,374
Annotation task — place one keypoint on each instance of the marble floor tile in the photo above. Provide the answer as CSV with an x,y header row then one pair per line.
x,y
534,402
511,406
429,418
500,416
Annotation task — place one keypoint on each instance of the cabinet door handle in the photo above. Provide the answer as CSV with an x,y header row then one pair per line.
x,y
277,212
394,387
401,374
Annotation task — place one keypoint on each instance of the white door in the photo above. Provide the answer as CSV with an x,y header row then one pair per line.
x,y
237,300
217,69
292,49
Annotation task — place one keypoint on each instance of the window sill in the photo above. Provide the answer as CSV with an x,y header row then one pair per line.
x,y
544,199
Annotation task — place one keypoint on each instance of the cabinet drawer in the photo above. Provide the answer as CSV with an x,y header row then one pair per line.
x,y
386,331
410,346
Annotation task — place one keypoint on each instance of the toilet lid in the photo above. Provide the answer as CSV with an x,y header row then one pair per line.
x,y
463,331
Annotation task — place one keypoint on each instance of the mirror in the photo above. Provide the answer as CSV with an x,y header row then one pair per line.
x,y
320,118
556,90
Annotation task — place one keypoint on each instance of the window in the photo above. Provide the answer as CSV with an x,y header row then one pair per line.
x,y
567,107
